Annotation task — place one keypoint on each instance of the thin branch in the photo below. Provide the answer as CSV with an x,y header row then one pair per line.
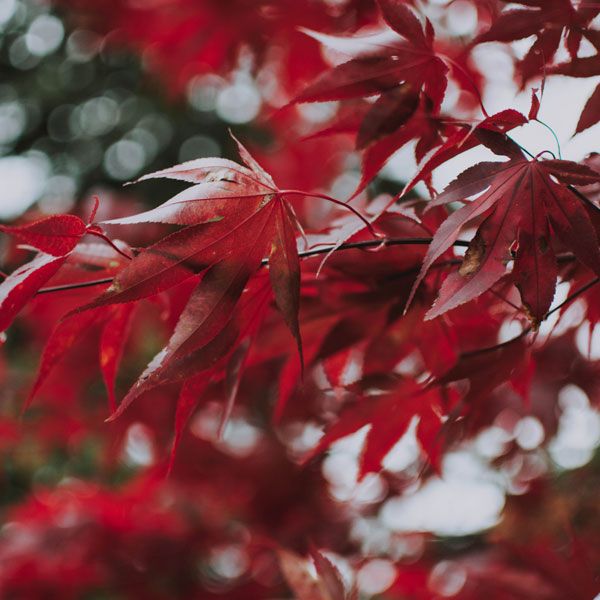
x,y
527,330
574,295
561,258
583,197
375,243
74,286
304,254
496,346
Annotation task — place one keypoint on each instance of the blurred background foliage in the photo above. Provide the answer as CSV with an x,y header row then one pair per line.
x,y
80,115
76,114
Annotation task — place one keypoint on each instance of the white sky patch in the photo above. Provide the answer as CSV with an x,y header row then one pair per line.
x,y
23,181
447,578
406,450
7,10
446,508
139,449
588,341
529,433
562,103
578,431
376,576
464,501
492,442
509,329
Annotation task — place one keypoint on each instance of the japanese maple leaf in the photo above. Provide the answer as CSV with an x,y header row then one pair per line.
x,y
409,77
232,218
590,115
439,139
399,71
484,370
54,238
524,205
114,321
588,66
547,20
425,128
389,416
223,358
584,67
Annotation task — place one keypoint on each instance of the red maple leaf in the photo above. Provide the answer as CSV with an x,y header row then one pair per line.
x,y
524,204
398,71
389,416
232,218
547,20
590,115
54,239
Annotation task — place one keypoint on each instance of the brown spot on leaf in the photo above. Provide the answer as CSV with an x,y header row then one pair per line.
x,y
473,257
535,323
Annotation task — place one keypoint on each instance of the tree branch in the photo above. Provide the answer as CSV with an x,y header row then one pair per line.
x,y
565,257
568,300
74,286
583,197
574,295
304,254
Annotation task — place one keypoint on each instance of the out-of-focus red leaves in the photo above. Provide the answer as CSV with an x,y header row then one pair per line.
x,y
274,312
185,38
547,20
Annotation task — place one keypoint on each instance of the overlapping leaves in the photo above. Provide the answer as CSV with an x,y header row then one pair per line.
x,y
398,71
53,239
548,20
404,73
233,217
524,207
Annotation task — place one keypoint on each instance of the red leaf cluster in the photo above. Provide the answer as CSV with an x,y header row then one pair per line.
x,y
251,316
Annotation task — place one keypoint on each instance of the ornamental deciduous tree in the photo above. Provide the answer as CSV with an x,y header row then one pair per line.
x,y
291,296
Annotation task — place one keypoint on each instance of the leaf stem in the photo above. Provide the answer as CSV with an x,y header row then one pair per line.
x,y
527,330
582,197
94,211
335,201
496,346
545,152
573,296
468,78
553,135
104,237
521,147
